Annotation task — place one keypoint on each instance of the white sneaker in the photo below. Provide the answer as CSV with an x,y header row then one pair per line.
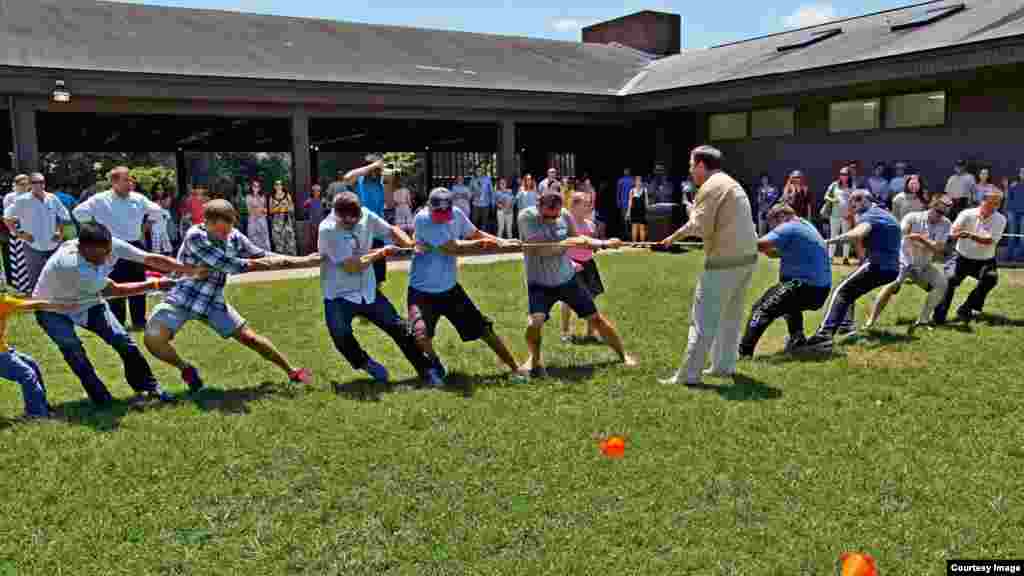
x,y
716,374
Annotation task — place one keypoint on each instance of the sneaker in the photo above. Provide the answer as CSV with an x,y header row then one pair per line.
x,y
439,367
794,343
919,324
964,315
434,379
567,338
300,376
716,374
191,377
848,330
818,343
376,370
162,395
519,376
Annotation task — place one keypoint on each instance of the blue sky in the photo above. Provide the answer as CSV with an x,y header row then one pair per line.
x,y
705,23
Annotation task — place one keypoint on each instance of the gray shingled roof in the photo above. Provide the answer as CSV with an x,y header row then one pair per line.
x,y
111,36
863,38
120,37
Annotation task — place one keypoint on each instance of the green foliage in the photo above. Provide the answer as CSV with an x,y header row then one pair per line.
x,y
902,447
240,166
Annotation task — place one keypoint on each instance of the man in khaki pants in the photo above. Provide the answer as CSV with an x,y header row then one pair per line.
x,y
721,217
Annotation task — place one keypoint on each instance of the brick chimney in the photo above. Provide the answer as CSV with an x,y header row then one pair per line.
x,y
656,33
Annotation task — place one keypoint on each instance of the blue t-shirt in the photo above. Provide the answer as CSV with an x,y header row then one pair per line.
x,y
883,243
434,271
1015,199
371,194
803,253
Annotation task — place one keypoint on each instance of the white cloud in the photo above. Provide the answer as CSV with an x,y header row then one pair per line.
x,y
809,15
569,24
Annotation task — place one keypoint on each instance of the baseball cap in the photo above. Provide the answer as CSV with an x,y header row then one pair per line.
x,y
440,199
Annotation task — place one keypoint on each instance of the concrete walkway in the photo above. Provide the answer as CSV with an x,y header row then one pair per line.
x,y
396,265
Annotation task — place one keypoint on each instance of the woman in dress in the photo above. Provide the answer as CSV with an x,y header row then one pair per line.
x,y
18,271
282,220
403,206
637,209
257,229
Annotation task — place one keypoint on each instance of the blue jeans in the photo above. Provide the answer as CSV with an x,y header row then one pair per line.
x,y
101,322
1015,225
22,369
340,313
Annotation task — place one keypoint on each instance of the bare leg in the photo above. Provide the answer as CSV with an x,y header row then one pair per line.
x,y
880,302
499,348
533,340
158,342
253,341
611,336
566,320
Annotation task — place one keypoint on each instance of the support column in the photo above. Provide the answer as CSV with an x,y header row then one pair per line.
x,y
26,138
428,171
300,157
507,149
180,172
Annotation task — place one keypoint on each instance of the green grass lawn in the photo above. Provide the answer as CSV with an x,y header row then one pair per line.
x,y
909,449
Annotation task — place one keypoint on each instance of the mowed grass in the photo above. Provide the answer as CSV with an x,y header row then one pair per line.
x,y
911,450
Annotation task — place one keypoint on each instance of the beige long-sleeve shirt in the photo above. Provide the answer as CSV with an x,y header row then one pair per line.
x,y
721,217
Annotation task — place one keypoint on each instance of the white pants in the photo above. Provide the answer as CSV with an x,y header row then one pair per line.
x,y
504,224
715,321
839,226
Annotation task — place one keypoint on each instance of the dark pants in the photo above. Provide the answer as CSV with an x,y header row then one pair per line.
x,y
986,272
100,321
860,282
382,314
127,271
5,253
788,299
380,267
482,217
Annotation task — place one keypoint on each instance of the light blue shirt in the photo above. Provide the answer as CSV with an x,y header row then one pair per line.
x,y
68,277
434,272
371,194
336,244
483,191
803,253
526,199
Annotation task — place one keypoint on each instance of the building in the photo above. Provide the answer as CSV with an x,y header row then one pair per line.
x,y
927,84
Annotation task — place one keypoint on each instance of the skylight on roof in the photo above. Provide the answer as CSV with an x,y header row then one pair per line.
x,y
809,38
925,15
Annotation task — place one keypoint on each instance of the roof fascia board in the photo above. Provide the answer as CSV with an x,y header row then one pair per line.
x,y
920,64
39,81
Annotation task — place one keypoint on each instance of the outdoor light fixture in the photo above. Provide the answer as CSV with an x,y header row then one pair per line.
x,y
61,93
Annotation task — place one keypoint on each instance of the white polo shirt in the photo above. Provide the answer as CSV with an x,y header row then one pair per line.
x,y
971,221
337,244
39,218
68,277
122,216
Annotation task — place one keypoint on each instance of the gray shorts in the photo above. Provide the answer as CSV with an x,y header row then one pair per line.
x,y
922,276
226,321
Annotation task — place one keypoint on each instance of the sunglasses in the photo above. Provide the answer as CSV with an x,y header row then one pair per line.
x,y
440,204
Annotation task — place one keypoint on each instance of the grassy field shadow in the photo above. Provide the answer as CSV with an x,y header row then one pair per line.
x,y
743,388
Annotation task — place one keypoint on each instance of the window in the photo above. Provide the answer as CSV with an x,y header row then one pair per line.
x,y
853,115
730,126
808,38
926,15
913,110
773,122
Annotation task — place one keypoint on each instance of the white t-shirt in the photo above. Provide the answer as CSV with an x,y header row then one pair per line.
x,y
913,253
68,277
971,221
39,218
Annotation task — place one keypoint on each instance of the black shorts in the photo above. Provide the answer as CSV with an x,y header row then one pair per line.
x,y
572,293
590,278
426,308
